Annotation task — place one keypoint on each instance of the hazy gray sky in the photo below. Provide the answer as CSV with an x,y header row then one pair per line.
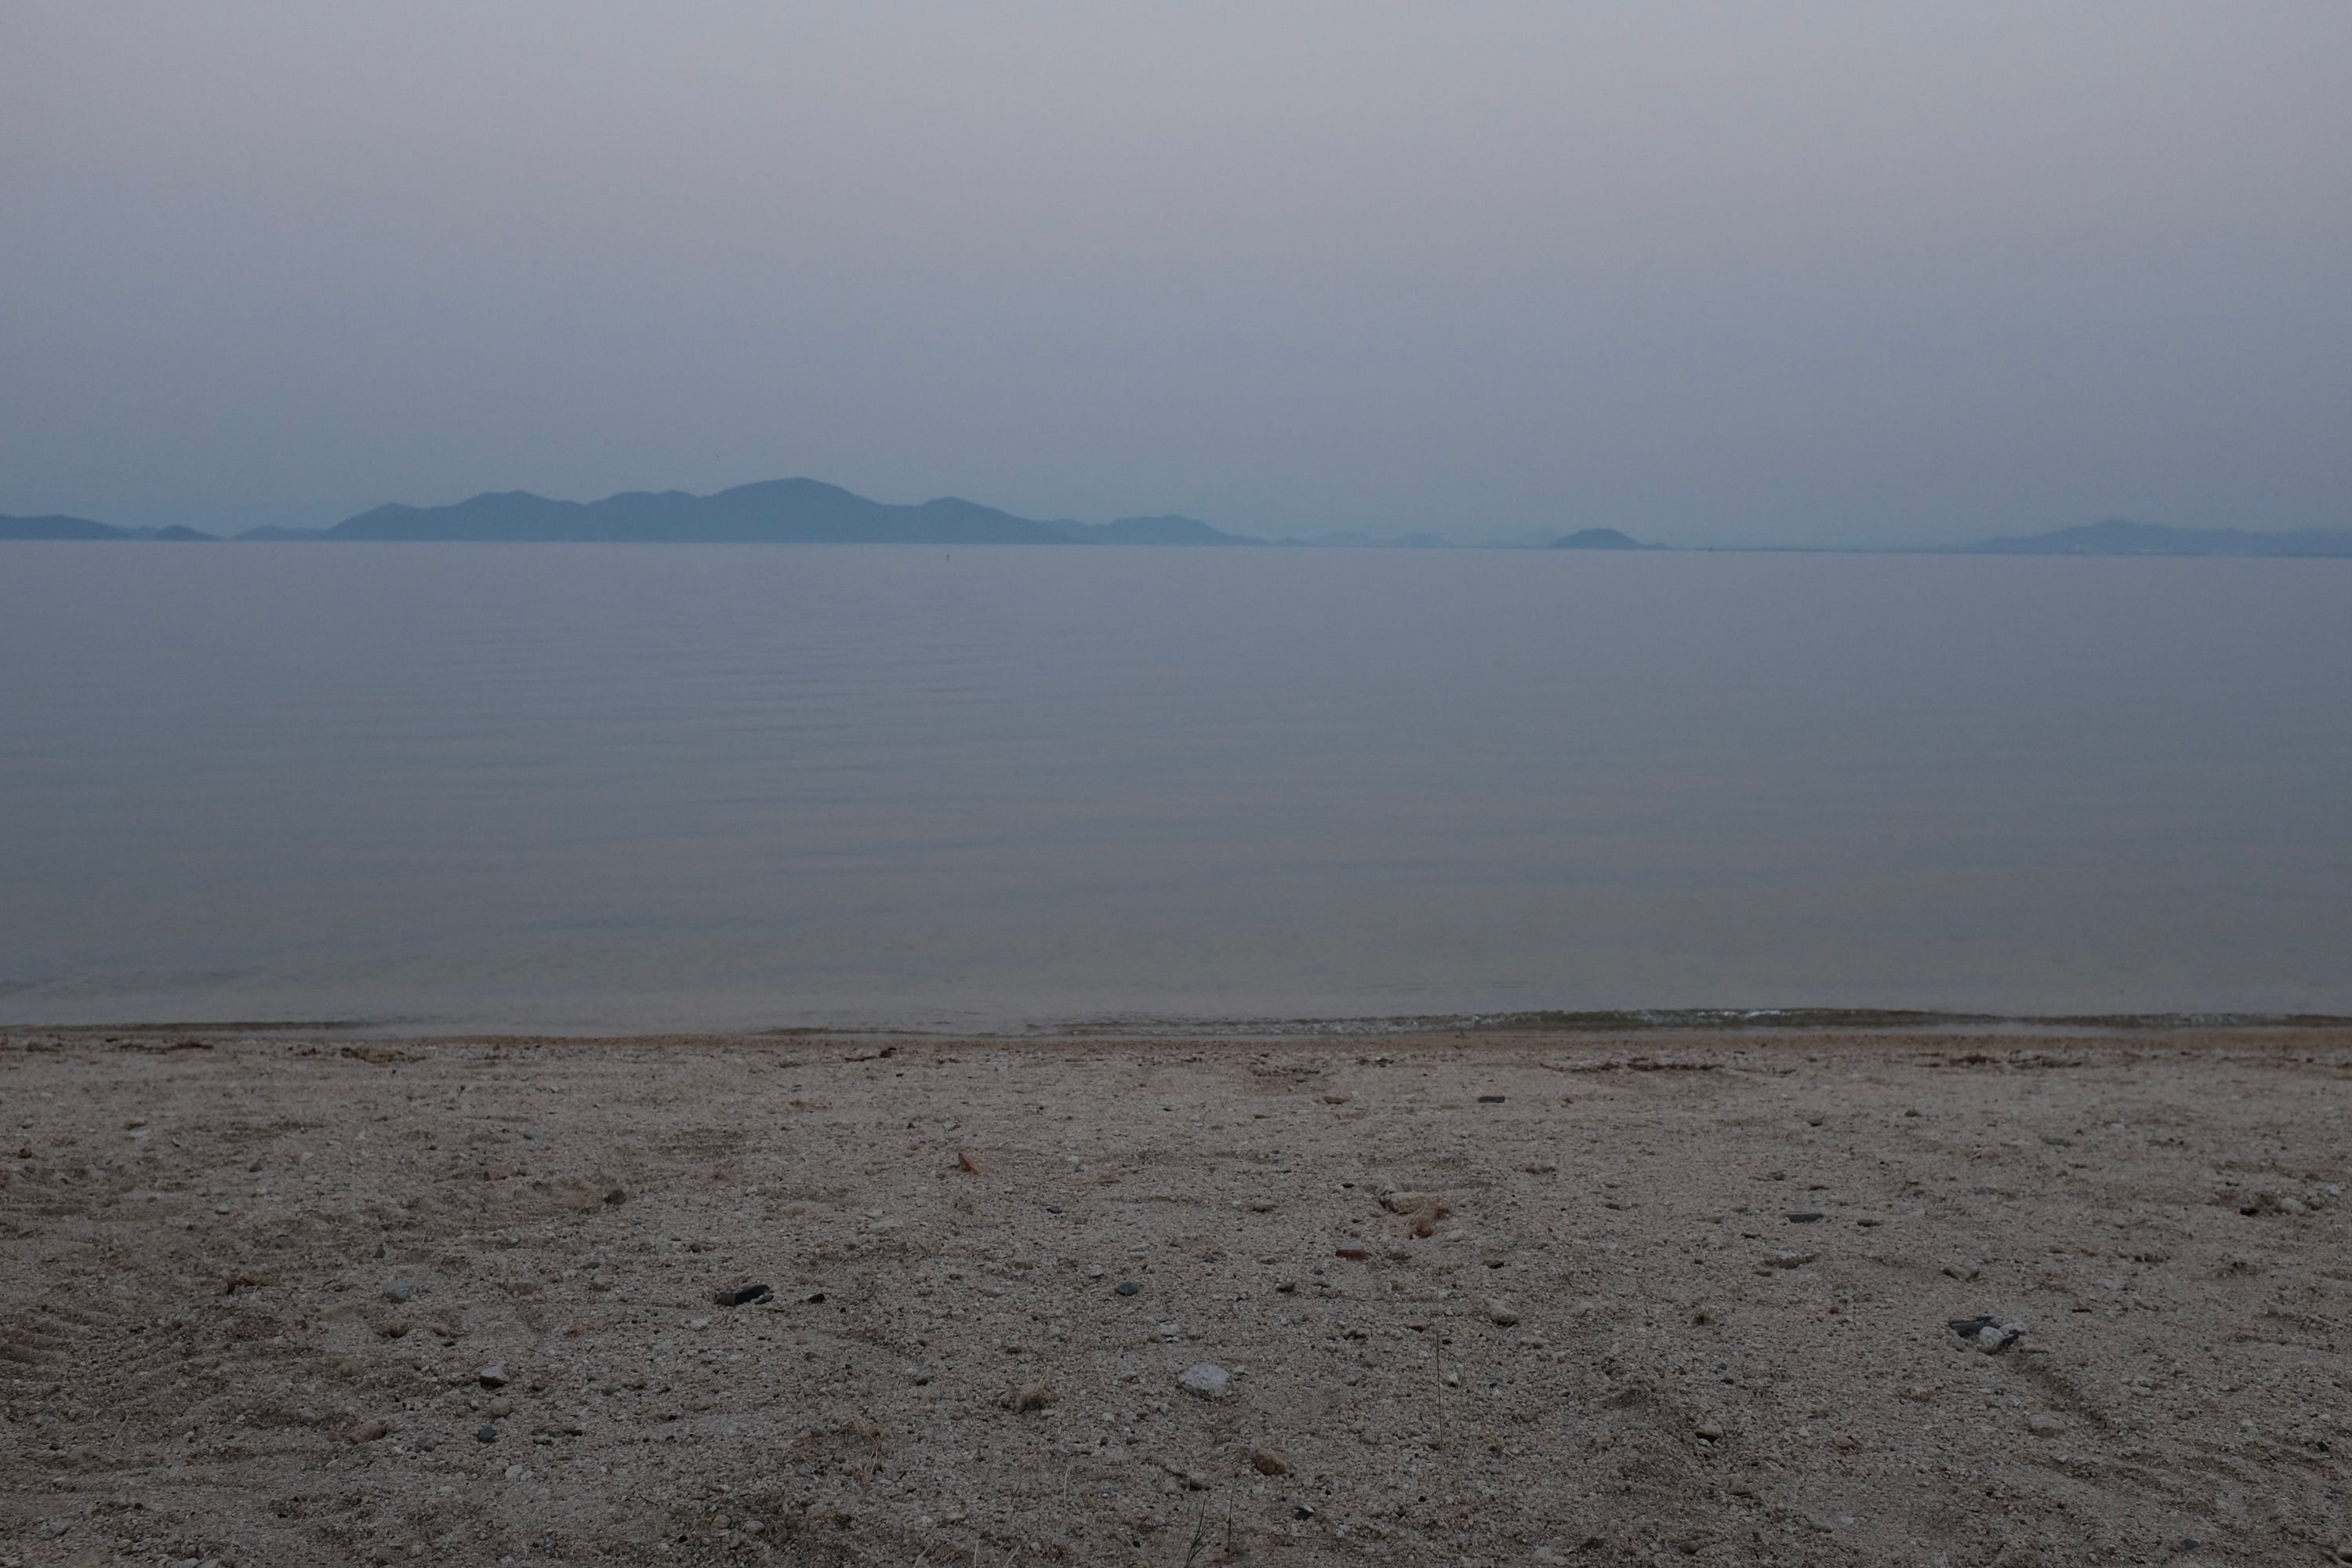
x,y
1709,272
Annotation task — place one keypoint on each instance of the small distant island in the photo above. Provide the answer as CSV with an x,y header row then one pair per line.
x,y
2120,536
810,512
1600,539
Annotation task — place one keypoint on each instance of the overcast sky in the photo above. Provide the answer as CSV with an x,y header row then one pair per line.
x,y
1710,273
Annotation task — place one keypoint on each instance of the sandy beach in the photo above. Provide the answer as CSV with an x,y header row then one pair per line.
x,y
1505,1299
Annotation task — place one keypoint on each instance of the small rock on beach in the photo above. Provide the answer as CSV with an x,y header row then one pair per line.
x,y
1205,1380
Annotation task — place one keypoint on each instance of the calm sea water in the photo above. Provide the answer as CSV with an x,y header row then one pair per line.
x,y
631,787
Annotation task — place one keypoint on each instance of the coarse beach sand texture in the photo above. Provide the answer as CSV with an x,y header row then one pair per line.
x,y
1491,1300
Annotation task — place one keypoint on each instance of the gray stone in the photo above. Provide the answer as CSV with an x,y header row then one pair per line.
x,y
1205,1380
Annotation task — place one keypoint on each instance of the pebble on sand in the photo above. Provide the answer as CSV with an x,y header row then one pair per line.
x,y
1987,1335
741,1295
1501,1313
400,1290
1205,1380
493,1376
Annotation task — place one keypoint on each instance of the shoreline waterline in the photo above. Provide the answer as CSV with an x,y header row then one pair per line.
x,y
1598,1023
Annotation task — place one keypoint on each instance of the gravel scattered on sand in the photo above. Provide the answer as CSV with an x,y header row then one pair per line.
x,y
942,1363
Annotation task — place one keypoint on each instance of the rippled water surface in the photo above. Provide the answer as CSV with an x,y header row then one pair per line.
x,y
631,787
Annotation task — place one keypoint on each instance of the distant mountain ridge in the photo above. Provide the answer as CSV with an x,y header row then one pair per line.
x,y
1168,529
810,512
57,528
2120,536
774,512
82,527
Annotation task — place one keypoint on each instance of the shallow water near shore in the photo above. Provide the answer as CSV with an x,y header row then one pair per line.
x,y
620,788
